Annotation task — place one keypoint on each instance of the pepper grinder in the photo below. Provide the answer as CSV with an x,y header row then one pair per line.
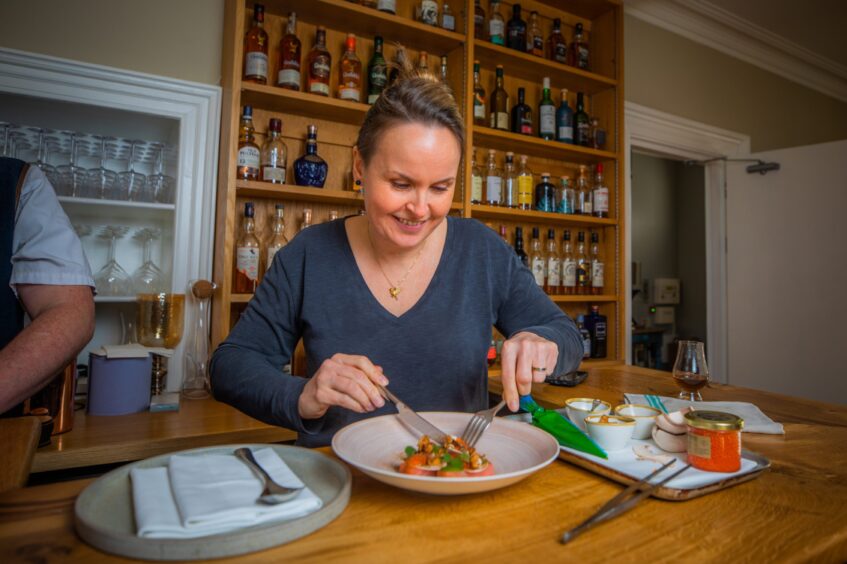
x,y
195,383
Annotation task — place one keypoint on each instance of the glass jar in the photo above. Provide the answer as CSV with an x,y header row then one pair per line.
x,y
714,441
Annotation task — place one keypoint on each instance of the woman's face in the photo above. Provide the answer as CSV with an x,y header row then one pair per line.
x,y
409,182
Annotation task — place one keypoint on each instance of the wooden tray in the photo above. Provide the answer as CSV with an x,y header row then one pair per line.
x,y
104,514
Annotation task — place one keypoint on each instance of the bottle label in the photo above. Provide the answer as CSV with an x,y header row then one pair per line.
x,y
387,5
448,22
597,269
256,64
547,120
601,200
273,174
582,275
582,57
248,157
349,93
288,77
317,87
478,108
599,330
569,273
272,250
500,120
561,52
526,126
699,445
586,344
538,270
583,130
553,271
493,188
429,12
247,262
372,98
537,44
587,207
476,189
525,188
566,133
378,78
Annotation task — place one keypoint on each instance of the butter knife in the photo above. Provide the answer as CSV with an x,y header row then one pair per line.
x,y
408,416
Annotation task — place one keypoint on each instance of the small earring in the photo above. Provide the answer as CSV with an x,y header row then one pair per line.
x,y
359,186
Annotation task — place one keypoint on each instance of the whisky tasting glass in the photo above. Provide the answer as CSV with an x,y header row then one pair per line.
x,y
130,182
100,182
690,370
112,279
147,278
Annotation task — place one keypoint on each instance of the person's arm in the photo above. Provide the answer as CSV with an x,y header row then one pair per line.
x,y
62,324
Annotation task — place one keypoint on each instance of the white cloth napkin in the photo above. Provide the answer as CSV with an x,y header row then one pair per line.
x,y
754,420
133,350
201,495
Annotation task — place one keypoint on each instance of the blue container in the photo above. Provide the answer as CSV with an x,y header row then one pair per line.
x,y
118,386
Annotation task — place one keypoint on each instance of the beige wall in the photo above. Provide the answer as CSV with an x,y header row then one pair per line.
x,y
175,38
667,72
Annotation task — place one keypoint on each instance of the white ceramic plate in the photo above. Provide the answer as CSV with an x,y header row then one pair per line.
x,y
375,446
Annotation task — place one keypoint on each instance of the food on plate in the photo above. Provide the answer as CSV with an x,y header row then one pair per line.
x,y
670,432
646,452
453,459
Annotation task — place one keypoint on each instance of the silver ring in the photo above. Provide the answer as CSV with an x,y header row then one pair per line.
x,y
538,369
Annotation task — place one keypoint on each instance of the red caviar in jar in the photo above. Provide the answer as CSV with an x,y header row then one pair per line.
x,y
714,441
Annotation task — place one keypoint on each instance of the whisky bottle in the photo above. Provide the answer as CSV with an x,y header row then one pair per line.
x,y
546,113
578,49
307,219
423,62
377,72
526,185
274,154
582,127
493,181
476,180
553,271
247,167
499,110
256,48
310,169
350,72
448,21
319,65
556,46
398,62
247,255
583,204
597,134
516,30
480,116
288,75
496,24
427,12
534,38
568,285
519,246
545,194
522,115
510,182
597,265
537,260
583,267
443,74
564,120
600,194
479,21
566,196
389,6
277,239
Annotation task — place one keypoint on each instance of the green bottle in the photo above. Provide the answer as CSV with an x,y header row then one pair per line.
x,y
547,113
564,431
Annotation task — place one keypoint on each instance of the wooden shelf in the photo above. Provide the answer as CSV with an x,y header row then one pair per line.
x,y
494,212
588,9
533,68
277,99
353,18
240,298
537,147
256,189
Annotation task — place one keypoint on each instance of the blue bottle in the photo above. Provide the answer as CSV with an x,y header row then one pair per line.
x,y
564,120
545,194
310,169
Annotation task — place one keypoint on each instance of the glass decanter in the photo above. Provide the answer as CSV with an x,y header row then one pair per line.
x,y
310,169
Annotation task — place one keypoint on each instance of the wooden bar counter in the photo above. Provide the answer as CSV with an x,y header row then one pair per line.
x,y
795,512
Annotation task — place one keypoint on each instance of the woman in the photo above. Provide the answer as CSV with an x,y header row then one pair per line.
x,y
402,297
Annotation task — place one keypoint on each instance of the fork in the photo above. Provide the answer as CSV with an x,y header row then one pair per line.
x,y
272,493
479,423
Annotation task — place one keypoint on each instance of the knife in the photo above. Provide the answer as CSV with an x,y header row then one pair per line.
x,y
408,416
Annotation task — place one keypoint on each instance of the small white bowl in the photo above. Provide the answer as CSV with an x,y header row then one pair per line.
x,y
579,408
644,415
613,433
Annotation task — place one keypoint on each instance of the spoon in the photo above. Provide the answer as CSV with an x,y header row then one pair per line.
x,y
272,493
594,405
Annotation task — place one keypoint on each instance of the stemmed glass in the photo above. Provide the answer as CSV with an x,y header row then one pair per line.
x,y
131,183
147,278
160,184
100,182
70,176
690,370
112,279
41,161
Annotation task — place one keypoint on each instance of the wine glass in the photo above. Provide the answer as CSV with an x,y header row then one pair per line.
x,y
41,159
100,182
112,279
690,370
70,176
130,182
160,322
161,185
147,278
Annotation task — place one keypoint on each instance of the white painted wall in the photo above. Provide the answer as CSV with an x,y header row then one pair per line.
x,y
787,273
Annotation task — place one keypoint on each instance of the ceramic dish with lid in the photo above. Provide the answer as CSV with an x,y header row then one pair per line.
x,y
611,432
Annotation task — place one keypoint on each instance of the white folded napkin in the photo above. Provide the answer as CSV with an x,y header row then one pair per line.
x,y
133,350
754,420
201,495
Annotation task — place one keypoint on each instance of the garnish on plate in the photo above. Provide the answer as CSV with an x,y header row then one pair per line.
x,y
452,459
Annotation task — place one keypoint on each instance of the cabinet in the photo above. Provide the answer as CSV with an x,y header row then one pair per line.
x,y
338,122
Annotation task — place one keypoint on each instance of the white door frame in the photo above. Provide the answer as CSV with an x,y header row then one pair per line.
x,y
666,135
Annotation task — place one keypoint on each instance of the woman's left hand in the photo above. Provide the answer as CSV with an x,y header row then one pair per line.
x,y
525,358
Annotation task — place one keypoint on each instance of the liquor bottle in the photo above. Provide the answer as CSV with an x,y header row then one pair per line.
x,y
537,260
510,182
448,21
332,216
256,48
398,62
522,115
596,325
583,267
516,30
493,181
247,167
479,21
553,271
597,134
597,265
247,255
274,154
427,12
277,239
389,6
443,74
534,38
476,180
504,234
582,126
480,116
566,196
546,113
319,64
423,62
519,246
377,72
499,106
583,204
586,336
526,185
578,49
350,72
496,24
545,198
556,46
310,169
369,3
564,120
568,266
600,194
307,219
288,74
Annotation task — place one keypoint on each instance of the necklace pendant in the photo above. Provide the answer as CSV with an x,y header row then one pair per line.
x,y
394,291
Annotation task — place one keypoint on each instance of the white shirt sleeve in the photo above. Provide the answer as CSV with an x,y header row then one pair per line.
x,y
45,247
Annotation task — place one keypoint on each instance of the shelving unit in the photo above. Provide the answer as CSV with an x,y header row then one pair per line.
x,y
338,122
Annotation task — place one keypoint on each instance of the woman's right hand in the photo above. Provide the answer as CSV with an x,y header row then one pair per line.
x,y
345,380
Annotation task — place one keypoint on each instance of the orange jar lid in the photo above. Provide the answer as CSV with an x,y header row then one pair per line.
x,y
714,420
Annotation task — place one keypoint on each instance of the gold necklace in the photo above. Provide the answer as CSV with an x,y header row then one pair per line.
x,y
394,289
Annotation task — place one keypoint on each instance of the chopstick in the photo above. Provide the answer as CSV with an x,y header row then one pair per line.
x,y
618,504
